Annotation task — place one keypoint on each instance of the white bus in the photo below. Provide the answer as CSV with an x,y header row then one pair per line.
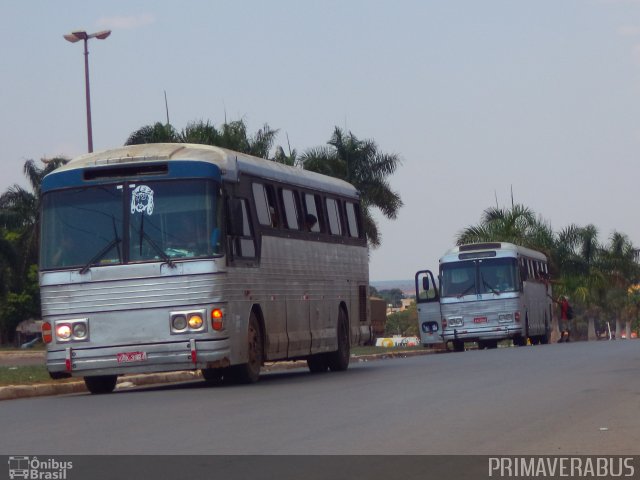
x,y
164,257
486,292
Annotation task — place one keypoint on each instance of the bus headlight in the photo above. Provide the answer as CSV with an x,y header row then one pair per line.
x,y
63,331
76,330
187,321
455,322
178,322
195,321
79,330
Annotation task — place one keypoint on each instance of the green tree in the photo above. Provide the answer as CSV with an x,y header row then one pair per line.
x,y
232,135
20,210
156,133
19,241
518,225
404,323
360,163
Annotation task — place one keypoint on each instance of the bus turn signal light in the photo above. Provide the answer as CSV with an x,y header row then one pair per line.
x,y
217,316
47,336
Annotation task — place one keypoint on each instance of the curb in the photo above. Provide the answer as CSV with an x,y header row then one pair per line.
x,y
13,392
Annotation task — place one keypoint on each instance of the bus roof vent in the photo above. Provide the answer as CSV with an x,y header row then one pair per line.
x,y
136,170
479,246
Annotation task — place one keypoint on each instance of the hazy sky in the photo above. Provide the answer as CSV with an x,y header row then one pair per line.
x,y
475,96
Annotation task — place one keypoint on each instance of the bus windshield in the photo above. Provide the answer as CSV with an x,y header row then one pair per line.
x,y
495,275
163,220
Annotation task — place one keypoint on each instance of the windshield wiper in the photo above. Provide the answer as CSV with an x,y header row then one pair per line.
x,y
100,254
154,245
157,248
486,284
466,290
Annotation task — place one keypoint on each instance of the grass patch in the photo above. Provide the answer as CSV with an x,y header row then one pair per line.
x,y
24,375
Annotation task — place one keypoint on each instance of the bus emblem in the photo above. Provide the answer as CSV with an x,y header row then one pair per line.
x,y
142,200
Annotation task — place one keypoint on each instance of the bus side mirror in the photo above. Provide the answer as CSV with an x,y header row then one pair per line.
x,y
425,283
235,218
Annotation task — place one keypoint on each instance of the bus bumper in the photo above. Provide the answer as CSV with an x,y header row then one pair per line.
x,y
496,332
186,354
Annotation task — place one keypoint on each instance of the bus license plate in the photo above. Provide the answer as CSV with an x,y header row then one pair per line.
x,y
480,320
128,357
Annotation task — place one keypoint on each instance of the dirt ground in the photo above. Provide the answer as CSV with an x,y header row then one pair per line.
x,y
16,358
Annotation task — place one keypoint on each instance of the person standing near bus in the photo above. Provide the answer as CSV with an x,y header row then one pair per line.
x,y
565,316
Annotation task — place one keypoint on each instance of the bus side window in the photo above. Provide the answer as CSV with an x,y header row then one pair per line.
x,y
265,199
333,213
353,215
244,245
290,204
311,207
523,270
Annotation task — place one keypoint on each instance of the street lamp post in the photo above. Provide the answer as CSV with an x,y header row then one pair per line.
x,y
73,37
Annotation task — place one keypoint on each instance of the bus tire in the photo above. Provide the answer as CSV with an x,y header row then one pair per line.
x,y
318,363
458,346
250,372
338,361
101,384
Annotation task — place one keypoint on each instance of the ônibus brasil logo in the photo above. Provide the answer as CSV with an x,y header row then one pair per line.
x,y
38,469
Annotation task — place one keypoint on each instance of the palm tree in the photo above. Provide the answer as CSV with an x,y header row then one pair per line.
x,y
156,133
578,259
232,135
20,208
620,263
360,163
518,225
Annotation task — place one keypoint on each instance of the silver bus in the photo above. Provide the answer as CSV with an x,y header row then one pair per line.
x,y
486,292
164,257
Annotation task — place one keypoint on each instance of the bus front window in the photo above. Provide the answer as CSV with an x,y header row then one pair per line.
x,y
81,226
458,278
173,219
498,275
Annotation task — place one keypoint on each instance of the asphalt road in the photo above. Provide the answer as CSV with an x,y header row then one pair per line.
x,y
579,398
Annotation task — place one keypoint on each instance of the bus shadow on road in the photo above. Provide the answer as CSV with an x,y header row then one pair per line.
x,y
288,376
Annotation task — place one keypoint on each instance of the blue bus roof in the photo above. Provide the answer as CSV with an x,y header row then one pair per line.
x,y
230,164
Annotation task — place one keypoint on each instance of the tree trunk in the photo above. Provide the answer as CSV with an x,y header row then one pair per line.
x,y
618,329
628,329
591,329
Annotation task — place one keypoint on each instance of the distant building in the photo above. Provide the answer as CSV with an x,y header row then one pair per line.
x,y
378,316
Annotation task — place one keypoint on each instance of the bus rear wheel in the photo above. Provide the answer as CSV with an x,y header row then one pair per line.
x,y
249,372
101,384
338,361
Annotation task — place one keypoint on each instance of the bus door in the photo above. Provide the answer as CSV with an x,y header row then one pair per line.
x,y
428,302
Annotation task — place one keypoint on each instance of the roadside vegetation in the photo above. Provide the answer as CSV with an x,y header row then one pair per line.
x,y
24,375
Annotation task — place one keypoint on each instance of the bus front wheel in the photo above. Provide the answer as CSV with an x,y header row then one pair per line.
x,y
250,372
101,384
